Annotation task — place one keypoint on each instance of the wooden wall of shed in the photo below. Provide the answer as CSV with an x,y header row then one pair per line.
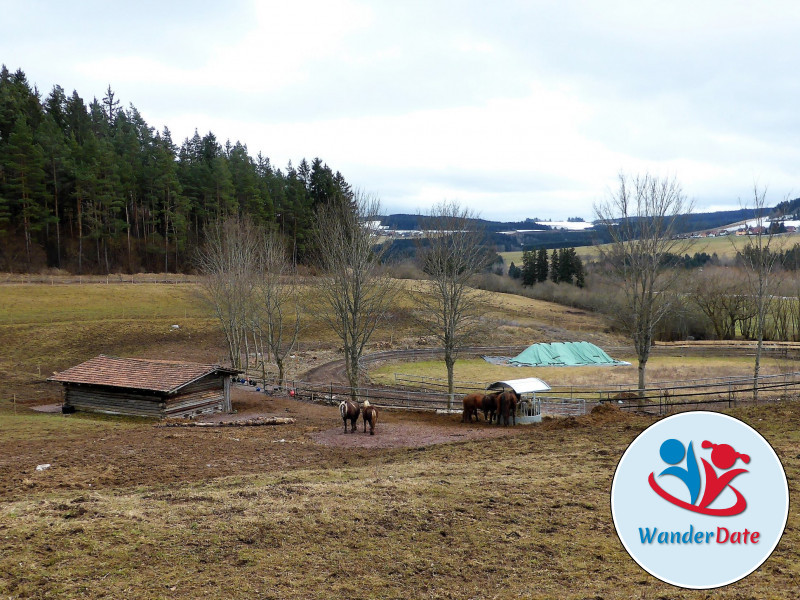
x,y
114,402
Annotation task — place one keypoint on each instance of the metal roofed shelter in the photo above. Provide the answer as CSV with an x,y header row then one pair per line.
x,y
150,388
529,409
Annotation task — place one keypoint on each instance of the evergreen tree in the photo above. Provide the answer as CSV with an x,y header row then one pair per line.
x,y
23,166
555,270
541,265
55,153
529,272
566,258
580,274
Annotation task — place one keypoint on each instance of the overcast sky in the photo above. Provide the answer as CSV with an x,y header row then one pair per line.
x,y
515,108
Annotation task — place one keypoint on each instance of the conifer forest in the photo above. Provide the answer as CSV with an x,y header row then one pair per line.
x,y
91,187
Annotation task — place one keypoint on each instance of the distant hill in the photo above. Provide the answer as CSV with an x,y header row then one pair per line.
x,y
530,235
405,222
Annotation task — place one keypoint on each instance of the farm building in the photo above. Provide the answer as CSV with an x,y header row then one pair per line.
x,y
149,388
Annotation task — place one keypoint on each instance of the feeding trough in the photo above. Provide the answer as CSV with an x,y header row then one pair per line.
x,y
529,409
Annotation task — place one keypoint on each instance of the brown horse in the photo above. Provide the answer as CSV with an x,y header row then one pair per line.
x,y
472,403
489,406
349,410
370,416
507,407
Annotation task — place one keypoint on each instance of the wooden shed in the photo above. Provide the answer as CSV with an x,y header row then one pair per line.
x,y
149,388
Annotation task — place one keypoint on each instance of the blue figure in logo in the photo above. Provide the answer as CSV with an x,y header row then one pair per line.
x,y
672,452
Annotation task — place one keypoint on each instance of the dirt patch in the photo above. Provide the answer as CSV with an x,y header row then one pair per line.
x,y
104,452
407,435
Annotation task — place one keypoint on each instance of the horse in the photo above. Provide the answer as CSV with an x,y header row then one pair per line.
x,y
370,416
489,406
471,403
507,407
349,410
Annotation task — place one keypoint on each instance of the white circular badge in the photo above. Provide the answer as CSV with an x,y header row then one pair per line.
x,y
699,500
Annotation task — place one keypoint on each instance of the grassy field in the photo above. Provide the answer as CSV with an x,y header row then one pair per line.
x,y
724,247
48,327
129,510
525,515
659,369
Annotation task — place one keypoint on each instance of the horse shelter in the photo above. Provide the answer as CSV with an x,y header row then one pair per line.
x,y
529,409
147,388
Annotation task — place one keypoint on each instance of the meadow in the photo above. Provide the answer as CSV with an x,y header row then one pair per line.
x,y
129,509
47,327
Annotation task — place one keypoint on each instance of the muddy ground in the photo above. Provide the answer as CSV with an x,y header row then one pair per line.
x,y
113,452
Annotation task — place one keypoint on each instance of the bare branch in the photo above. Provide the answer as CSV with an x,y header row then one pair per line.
x,y
452,254
642,218
355,293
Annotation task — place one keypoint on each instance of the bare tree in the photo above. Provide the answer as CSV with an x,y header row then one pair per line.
x,y
759,258
354,290
229,264
718,292
642,218
278,313
453,252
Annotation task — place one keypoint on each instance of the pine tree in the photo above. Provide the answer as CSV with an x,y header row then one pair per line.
x,y
56,156
529,273
541,265
23,164
555,270
566,263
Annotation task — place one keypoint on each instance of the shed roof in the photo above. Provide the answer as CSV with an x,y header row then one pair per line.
x,y
522,386
137,373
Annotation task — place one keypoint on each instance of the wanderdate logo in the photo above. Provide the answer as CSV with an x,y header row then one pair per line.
x,y
699,500
723,457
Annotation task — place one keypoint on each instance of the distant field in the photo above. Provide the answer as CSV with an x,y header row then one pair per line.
x,y
725,247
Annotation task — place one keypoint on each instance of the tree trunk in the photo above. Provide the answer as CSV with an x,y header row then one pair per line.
x,y
352,375
449,362
58,219
643,358
281,374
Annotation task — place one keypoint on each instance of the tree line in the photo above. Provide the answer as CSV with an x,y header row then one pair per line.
x,y
95,188
563,266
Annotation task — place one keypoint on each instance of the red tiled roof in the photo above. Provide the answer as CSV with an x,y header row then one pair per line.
x,y
137,373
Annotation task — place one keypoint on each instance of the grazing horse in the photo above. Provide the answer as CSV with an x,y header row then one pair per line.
x,y
472,403
370,416
489,406
507,407
349,410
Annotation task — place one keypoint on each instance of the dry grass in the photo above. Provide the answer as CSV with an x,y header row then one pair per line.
x,y
659,369
48,327
520,516
130,511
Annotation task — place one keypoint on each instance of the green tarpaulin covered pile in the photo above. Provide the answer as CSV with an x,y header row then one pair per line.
x,y
563,354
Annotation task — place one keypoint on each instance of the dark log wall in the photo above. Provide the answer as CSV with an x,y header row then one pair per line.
x,y
106,401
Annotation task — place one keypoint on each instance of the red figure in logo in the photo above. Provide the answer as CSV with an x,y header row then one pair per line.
x,y
724,457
